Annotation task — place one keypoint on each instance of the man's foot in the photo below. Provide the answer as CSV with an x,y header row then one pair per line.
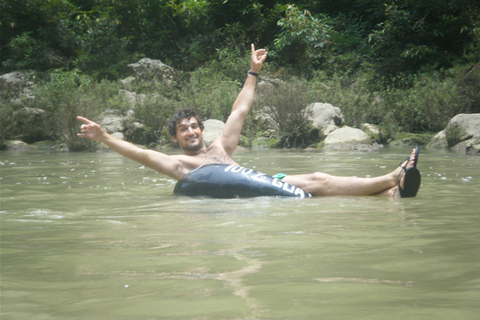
x,y
409,178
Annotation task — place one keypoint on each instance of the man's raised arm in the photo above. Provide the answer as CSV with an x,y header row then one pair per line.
x,y
156,160
233,126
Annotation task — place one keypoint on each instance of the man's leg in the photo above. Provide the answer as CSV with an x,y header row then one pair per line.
x,y
322,184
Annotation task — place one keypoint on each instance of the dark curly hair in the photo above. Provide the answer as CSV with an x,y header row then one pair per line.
x,y
182,114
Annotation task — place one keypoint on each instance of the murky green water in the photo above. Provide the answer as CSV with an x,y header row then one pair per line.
x,y
96,236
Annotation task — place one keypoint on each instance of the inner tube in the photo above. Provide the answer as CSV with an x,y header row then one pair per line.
x,y
232,181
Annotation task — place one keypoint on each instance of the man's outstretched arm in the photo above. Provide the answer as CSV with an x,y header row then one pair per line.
x,y
233,126
156,160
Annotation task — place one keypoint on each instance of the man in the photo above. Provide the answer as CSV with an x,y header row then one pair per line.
x,y
186,130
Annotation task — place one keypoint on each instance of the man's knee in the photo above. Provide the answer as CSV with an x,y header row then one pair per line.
x,y
320,177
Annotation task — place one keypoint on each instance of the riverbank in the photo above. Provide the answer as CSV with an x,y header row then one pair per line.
x,y
43,107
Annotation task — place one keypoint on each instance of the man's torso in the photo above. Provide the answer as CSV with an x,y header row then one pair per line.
x,y
213,155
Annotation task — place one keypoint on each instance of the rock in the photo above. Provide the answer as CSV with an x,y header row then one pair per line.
x,y
136,133
153,70
53,59
123,126
128,80
472,146
111,121
347,134
348,139
132,98
462,127
212,130
45,144
17,145
325,117
370,129
263,115
13,81
262,143
405,139
462,134
15,84
266,85
31,112
31,124
439,141
130,116
119,135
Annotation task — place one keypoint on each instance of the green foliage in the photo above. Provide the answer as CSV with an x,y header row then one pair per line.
x,y
101,51
285,105
468,83
423,33
154,113
425,107
102,37
303,38
213,93
231,63
404,65
70,94
26,52
352,94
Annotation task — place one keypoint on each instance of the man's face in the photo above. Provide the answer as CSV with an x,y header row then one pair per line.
x,y
189,134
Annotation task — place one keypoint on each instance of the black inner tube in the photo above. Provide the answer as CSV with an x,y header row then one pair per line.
x,y
232,181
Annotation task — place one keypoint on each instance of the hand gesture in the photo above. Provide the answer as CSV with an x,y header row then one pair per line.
x,y
90,130
258,56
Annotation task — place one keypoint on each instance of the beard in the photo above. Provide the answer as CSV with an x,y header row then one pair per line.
x,y
194,146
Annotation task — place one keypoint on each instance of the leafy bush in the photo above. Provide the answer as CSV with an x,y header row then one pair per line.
x,y
70,94
303,38
155,113
285,106
26,52
353,95
212,93
425,107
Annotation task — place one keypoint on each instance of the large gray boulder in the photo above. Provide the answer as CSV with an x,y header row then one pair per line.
x,y
153,70
17,145
473,145
325,117
16,84
348,139
111,121
438,141
212,130
132,98
462,134
462,127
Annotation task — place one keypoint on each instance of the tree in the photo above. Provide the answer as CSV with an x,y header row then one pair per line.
x,y
427,32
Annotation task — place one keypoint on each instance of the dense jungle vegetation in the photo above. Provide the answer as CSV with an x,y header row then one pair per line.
x,y
405,65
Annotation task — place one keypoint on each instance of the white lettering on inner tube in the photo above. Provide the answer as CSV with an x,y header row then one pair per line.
x,y
261,176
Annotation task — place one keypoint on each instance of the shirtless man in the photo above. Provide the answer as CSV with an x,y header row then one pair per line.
x,y
186,130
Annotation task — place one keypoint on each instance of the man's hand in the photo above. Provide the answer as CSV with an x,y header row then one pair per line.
x,y
90,130
258,56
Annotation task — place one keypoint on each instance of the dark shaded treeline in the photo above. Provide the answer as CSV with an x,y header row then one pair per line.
x,y
101,37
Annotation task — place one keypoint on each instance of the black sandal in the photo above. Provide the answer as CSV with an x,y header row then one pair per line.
x,y
412,178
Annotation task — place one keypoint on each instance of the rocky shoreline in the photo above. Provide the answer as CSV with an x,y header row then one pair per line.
x,y
462,134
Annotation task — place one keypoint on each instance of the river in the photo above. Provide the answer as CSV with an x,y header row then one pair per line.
x,y
97,236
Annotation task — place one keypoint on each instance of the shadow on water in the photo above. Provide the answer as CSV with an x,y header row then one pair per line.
x,y
98,236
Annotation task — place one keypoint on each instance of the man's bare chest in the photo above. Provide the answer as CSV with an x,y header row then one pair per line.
x,y
210,156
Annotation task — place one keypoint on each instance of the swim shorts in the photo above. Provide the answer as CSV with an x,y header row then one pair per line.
x,y
279,176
